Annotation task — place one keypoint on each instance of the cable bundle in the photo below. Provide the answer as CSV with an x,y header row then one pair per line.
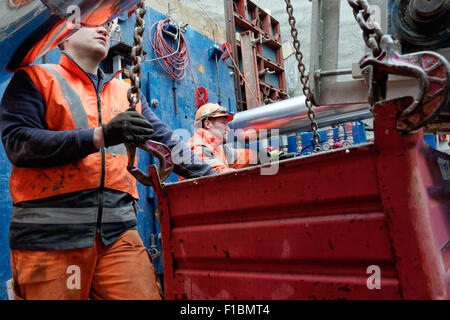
x,y
172,61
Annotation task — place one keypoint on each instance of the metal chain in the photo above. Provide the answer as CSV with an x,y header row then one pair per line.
x,y
137,55
372,34
303,77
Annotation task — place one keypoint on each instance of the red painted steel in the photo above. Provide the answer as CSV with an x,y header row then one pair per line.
x,y
413,203
312,230
248,53
245,16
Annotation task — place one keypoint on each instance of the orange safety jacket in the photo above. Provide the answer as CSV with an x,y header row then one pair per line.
x,y
219,156
72,103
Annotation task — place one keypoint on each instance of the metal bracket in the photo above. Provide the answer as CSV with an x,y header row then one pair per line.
x,y
318,74
180,26
266,71
153,247
330,87
260,40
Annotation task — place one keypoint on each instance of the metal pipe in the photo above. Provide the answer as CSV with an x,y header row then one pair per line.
x,y
291,115
29,29
318,74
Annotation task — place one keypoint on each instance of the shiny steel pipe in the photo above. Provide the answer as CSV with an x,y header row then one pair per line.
x,y
31,28
291,115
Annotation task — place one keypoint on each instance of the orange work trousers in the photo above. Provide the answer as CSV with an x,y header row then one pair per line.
x,y
120,271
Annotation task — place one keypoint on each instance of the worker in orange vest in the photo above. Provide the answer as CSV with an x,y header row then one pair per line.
x,y
73,225
208,141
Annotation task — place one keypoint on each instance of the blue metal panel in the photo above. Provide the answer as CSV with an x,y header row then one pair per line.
x,y
155,85
5,215
269,52
430,139
292,143
358,131
273,79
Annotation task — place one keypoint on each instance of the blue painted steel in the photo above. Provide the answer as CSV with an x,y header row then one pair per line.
x,y
272,79
269,52
358,133
155,85
5,215
430,139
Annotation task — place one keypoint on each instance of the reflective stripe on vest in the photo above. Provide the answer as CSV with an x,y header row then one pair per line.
x,y
199,146
78,111
72,104
73,99
70,215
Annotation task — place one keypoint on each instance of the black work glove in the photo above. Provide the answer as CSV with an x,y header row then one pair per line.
x,y
127,127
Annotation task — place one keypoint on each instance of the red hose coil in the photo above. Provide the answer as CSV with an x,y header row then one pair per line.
x,y
172,60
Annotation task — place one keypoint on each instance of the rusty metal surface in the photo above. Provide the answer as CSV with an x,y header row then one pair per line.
x,y
415,195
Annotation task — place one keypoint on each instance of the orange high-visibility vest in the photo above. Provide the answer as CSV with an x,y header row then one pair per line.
x,y
71,104
220,157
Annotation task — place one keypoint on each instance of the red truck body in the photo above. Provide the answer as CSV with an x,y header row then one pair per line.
x,y
324,227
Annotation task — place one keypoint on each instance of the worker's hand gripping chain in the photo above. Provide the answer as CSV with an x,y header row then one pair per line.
x,y
303,77
159,150
431,69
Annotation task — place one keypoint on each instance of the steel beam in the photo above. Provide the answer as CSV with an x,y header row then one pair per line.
x,y
250,67
231,39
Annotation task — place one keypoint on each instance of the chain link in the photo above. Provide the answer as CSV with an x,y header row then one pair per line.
x,y
372,33
303,77
137,55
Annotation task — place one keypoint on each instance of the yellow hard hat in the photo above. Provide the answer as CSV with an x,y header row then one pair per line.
x,y
211,110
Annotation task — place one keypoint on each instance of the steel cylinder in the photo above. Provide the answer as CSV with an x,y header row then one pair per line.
x,y
291,115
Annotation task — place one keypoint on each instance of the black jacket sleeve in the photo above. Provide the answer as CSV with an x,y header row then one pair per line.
x,y
25,136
